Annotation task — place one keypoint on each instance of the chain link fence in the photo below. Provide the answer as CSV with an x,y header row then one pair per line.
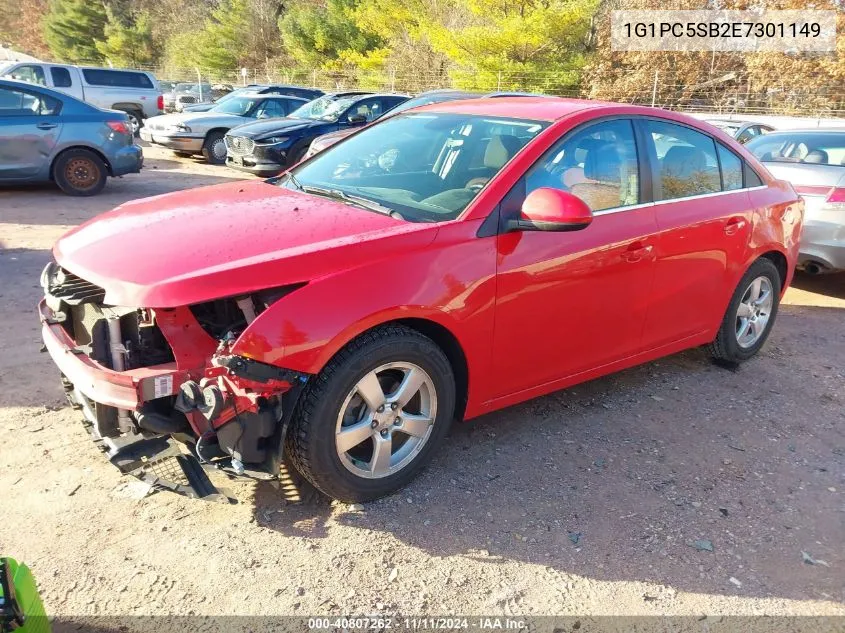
x,y
727,93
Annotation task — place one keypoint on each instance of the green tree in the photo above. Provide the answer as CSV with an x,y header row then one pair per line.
x,y
72,28
537,45
127,44
326,36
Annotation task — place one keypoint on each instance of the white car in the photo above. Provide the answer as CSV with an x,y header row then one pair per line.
x,y
203,133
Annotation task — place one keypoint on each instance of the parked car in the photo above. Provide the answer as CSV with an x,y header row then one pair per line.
x,y
814,162
293,91
266,148
185,94
441,264
202,132
135,92
433,96
742,131
47,135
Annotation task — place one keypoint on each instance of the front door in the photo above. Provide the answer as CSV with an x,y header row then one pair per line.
x,y
29,129
574,301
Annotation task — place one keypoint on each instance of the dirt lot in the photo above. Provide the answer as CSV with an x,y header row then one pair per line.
x,y
603,499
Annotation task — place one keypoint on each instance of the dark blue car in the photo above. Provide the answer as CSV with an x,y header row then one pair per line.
x,y
268,147
50,136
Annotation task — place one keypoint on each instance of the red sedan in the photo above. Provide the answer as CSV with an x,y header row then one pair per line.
x,y
441,264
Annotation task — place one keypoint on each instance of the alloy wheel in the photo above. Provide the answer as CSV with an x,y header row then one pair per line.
x,y
385,420
754,311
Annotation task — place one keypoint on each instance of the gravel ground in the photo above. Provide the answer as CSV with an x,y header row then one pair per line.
x,y
677,487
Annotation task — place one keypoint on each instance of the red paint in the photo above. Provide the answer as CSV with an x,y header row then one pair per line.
x,y
533,311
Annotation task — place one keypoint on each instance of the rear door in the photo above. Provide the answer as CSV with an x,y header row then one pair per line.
x,y
704,219
29,130
66,80
570,302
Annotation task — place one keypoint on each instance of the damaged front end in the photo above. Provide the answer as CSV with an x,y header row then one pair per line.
x,y
159,389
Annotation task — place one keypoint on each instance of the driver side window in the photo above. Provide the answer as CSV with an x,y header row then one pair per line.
x,y
597,164
271,108
369,108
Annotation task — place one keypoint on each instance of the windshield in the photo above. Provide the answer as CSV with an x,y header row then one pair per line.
x,y
323,109
424,167
817,148
185,87
416,102
236,105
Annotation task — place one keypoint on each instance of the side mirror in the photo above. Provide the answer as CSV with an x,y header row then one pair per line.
x,y
356,119
548,209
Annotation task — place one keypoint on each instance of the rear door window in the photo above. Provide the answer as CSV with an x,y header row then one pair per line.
x,y
60,77
686,161
731,166
116,78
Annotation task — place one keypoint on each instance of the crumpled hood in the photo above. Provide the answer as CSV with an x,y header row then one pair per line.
x,y
202,244
266,127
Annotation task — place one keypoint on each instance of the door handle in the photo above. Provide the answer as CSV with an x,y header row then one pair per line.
x,y
636,251
734,225
45,126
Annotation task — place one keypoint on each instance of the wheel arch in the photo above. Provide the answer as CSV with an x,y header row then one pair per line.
x,y
780,262
123,106
91,149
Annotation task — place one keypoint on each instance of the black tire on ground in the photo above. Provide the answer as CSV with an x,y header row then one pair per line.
x,y
212,142
80,172
310,442
726,347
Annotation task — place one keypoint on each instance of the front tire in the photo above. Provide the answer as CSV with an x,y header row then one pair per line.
x,y
80,172
750,315
373,417
214,148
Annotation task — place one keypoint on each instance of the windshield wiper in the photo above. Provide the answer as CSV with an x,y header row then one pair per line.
x,y
338,194
292,180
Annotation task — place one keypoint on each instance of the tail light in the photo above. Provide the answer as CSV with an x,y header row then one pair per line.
x,y
836,195
160,102
121,127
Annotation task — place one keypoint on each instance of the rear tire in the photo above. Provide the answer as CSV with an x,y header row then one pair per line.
x,y
136,121
80,172
214,148
395,359
750,315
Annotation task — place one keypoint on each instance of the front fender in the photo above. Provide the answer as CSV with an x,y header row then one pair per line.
x,y
451,283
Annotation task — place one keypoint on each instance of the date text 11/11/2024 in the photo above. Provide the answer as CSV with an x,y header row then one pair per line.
x,y
363,623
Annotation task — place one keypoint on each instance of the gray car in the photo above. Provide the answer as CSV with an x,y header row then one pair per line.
x,y
742,131
47,135
203,132
814,162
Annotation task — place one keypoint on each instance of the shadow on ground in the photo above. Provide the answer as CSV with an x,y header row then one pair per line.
x,y
676,472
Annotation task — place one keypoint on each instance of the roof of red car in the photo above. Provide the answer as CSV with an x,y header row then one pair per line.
x,y
537,108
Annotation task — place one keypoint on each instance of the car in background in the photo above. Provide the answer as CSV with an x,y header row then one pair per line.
x,y
135,92
441,264
293,91
742,131
266,148
814,162
424,98
185,93
47,135
192,133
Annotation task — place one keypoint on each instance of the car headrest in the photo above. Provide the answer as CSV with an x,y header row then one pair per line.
x,y
683,161
817,157
603,164
500,149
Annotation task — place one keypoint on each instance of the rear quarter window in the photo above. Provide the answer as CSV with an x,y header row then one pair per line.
x,y
117,78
